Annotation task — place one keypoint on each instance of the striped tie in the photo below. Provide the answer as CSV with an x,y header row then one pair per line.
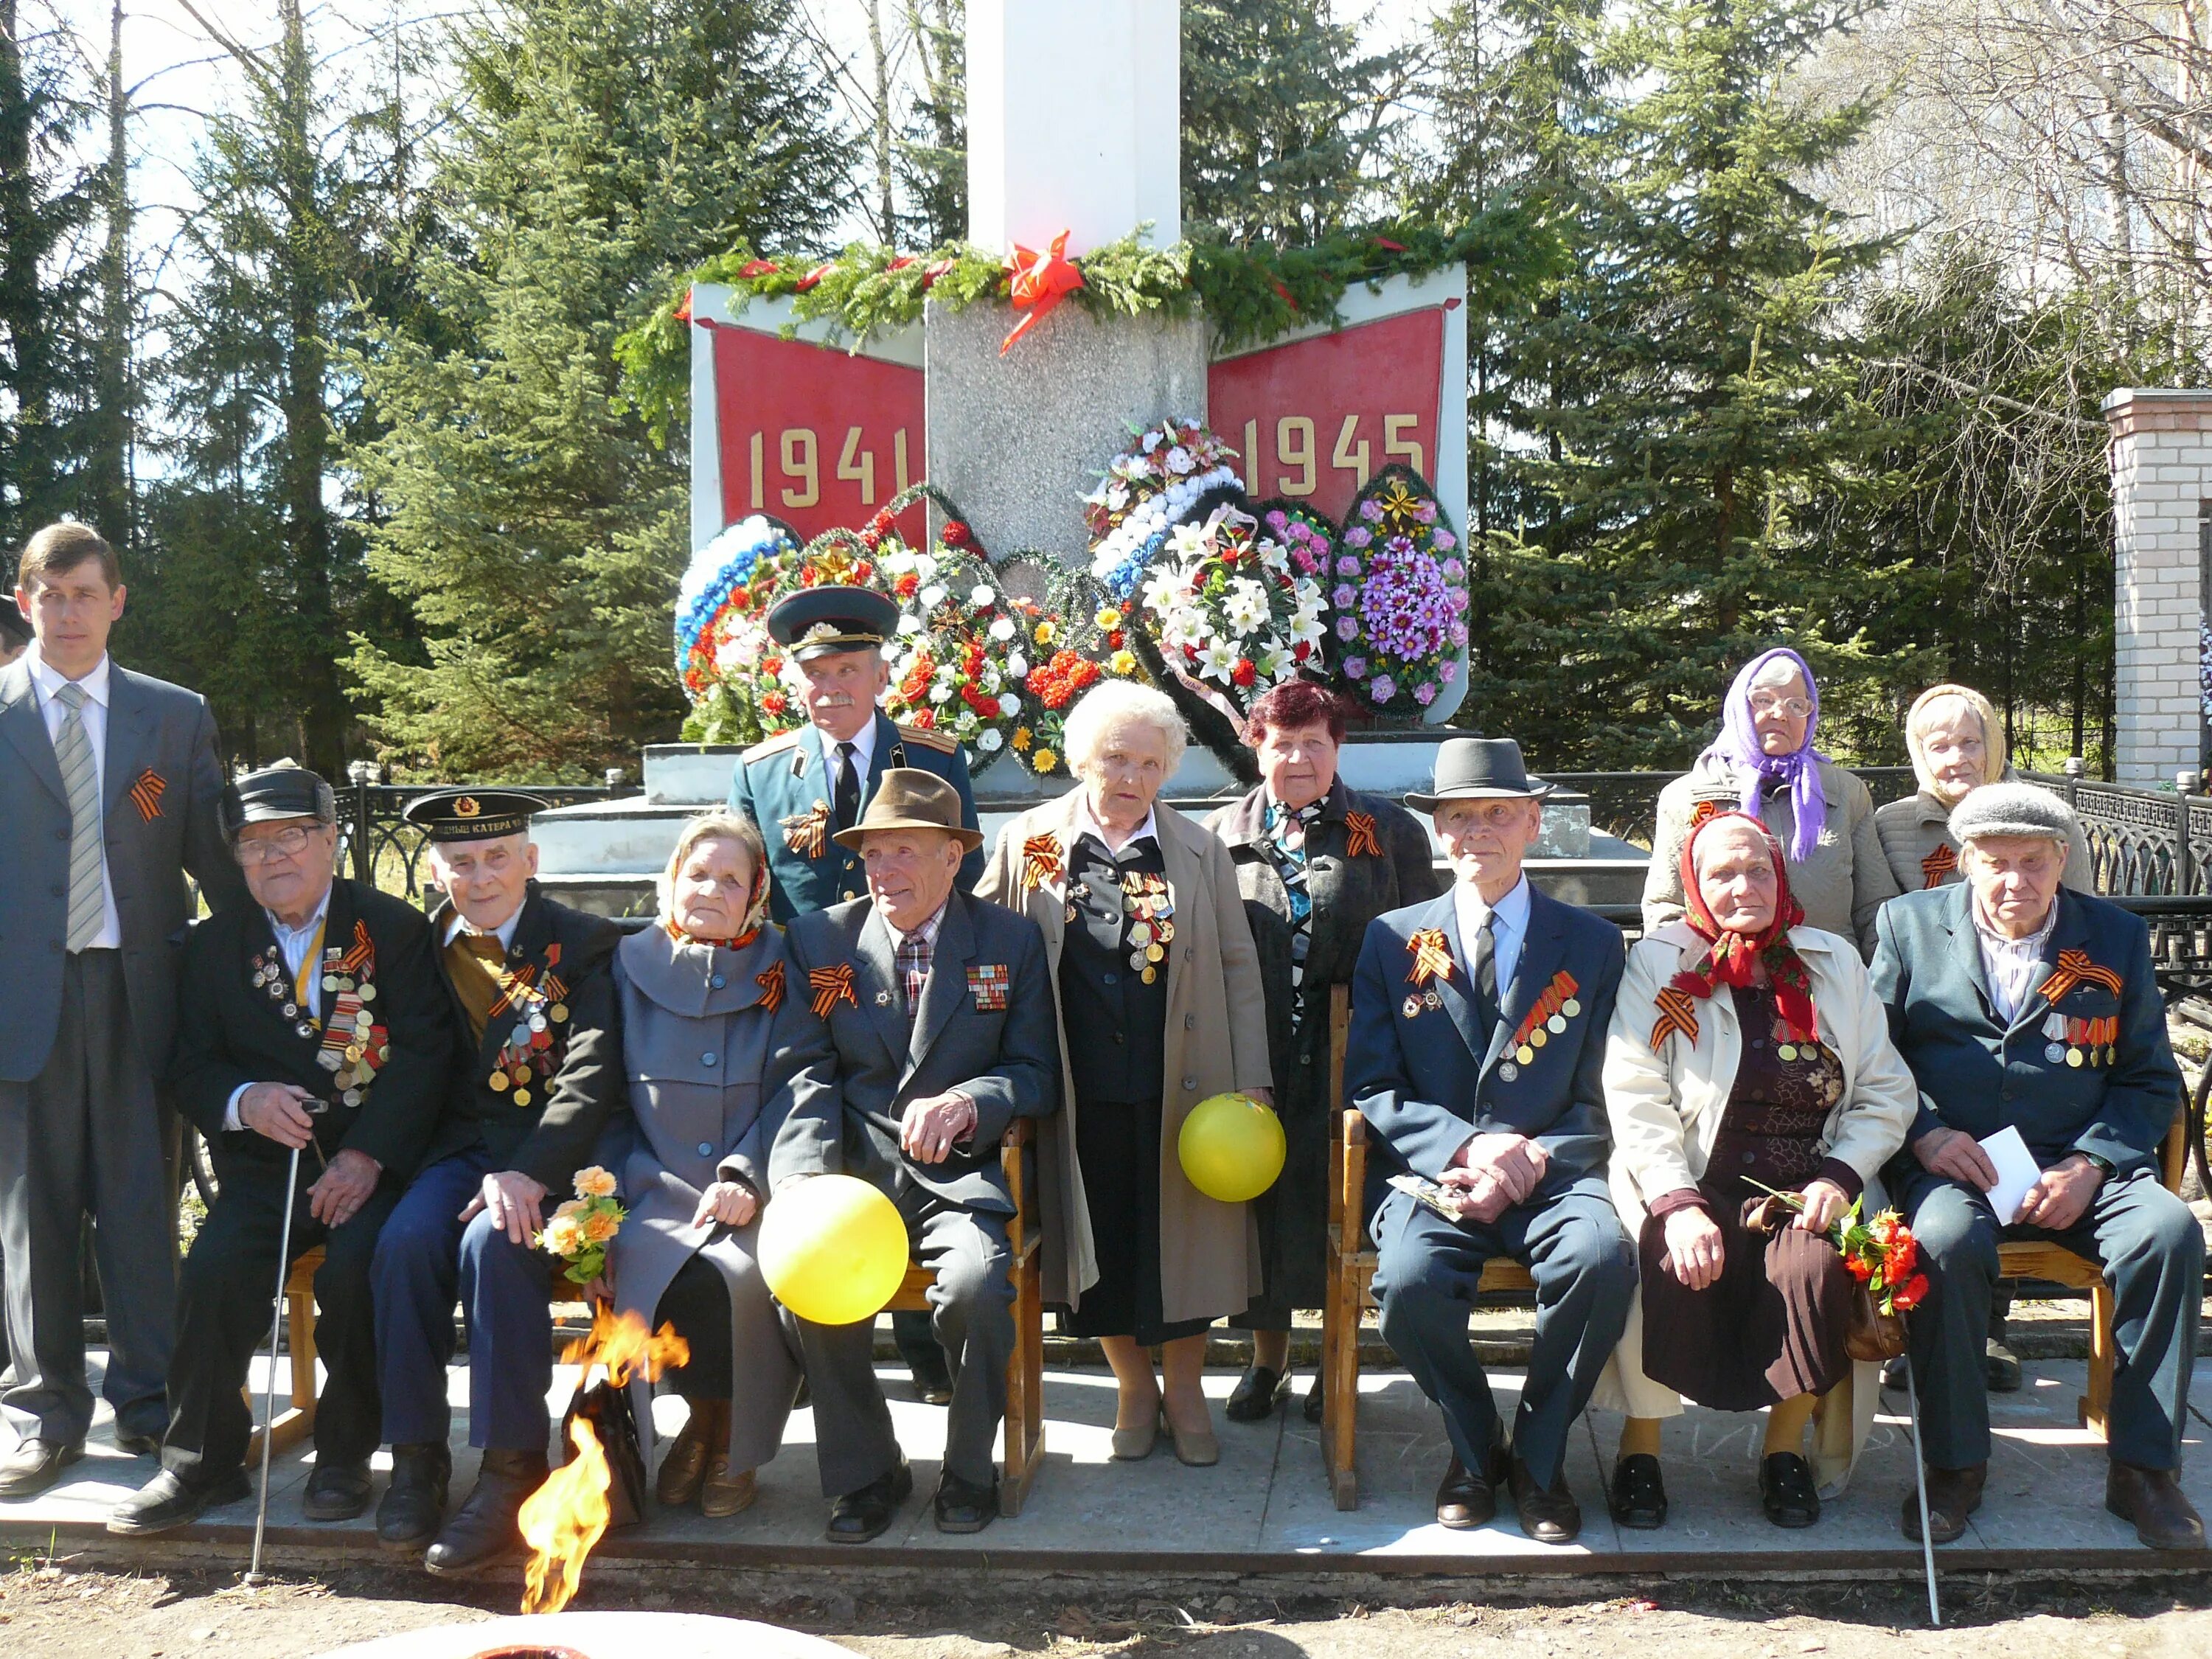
x,y
86,884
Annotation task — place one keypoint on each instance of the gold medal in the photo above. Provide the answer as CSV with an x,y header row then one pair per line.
x,y
1154,952
1788,1051
1150,975
522,1096
522,1074
560,1011
1539,1037
498,1080
2074,1058
1524,1053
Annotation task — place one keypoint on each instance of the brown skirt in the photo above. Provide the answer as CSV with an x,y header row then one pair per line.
x,y
1770,1327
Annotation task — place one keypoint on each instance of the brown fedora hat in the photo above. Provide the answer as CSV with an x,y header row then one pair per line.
x,y
911,798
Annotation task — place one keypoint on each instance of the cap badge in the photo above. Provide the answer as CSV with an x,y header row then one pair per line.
x,y
466,807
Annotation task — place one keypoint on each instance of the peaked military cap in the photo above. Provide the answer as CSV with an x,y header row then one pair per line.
x,y
472,814
282,790
817,621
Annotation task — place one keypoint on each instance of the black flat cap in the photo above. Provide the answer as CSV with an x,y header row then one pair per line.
x,y
283,790
819,621
473,814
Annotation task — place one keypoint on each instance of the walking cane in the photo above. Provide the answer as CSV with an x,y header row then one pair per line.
x,y
1920,1475
254,1576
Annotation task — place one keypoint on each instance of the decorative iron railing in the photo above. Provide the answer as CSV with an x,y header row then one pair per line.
x,y
377,844
1626,805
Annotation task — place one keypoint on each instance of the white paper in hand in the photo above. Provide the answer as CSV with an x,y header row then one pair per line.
x,y
2017,1170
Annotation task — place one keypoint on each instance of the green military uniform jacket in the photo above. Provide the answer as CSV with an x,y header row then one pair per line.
x,y
784,784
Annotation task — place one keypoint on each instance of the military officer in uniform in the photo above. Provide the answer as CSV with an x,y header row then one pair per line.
x,y
531,982
805,788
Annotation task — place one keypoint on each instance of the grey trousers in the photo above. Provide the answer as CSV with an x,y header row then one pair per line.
x,y
2153,1253
87,1136
1427,1273
971,1310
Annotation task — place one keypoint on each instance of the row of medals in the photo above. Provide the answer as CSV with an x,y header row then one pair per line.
x,y
1538,1036
346,1077
1146,903
522,1042
2056,1048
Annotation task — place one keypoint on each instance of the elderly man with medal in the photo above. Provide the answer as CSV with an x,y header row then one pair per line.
x,y
531,986
1476,1055
807,788
311,1018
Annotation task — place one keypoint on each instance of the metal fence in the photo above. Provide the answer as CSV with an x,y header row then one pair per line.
x,y
377,844
1627,803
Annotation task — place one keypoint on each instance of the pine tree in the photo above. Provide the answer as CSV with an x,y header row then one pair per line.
x,y
1690,391
932,157
534,531
1282,112
50,200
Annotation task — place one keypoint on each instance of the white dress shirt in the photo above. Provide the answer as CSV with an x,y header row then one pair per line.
x,y
292,943
2009,963
1507,932
1086,824
864,754
47,685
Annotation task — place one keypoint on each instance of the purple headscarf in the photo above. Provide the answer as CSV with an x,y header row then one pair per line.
x,y
1738,745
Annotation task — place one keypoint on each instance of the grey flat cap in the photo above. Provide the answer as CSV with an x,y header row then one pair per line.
x,y
2013,809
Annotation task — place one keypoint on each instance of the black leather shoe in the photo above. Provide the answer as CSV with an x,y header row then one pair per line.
x,y
1549,1514
1953,1495
33,1465
859,1516
963,1506
1638,1497
1313,1401
2150,1501
337,1492
933,1378
1786,1492
166,1503
2002,1365
414,1505
483,1530
138,1445
1465,1499
1253,1399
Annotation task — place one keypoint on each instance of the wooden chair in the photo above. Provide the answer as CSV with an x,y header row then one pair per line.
x,y
1348,1288
1025,1425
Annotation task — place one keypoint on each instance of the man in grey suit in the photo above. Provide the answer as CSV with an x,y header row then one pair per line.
x,y
111,780
941,1019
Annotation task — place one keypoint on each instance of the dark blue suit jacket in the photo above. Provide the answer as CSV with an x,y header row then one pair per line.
x,y
780,781
1978,1074
1426,1082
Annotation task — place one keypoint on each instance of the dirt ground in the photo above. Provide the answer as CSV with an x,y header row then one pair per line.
x,y
51,1611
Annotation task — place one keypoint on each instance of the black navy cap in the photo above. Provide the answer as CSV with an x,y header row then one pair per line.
x,y
817,621
473,814
282,790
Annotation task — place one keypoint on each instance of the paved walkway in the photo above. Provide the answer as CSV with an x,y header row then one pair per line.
x,y
1265,1508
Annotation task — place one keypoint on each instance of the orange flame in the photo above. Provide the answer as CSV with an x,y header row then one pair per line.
x,y
566,1517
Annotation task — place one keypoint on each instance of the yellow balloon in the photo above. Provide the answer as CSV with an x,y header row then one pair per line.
x,y
832,1250
1232,1147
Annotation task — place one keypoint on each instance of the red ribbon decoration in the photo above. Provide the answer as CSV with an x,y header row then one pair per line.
x,y
771,985
1359,840
684,311
2074,969
1937,865
1041,865
753,267
1432,954
832,986
1678,1012
1041,281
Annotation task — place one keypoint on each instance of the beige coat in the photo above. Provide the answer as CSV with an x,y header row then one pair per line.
x,y
1840,886
1913,828
1216,1040
1666,1109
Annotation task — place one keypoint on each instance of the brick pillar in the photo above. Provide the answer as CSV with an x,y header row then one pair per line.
x,y
2161,457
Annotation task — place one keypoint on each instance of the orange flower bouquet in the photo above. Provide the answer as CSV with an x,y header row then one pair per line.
x,y
584,1225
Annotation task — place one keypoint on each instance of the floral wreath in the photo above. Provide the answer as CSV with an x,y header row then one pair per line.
x,y
1398,607
1157,480
1227,605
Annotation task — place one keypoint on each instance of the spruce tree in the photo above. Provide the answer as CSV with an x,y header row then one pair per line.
x,y
1282,112
1688,398
526,519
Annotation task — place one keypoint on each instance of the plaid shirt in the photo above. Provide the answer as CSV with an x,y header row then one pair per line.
x,y
911,954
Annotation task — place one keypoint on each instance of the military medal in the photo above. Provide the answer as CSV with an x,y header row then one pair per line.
x,y
1525,1054
1412,1006
1507,1070
1146,902
1788,1051
1548,1017
537,1005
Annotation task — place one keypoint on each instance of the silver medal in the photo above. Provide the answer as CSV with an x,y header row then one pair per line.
x,y
1508,1070
1557,1023
2054,1052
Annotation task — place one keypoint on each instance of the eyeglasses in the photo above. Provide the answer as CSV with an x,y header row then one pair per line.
x,y
1795,708
286,844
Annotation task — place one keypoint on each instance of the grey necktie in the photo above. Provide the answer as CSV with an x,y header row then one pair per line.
x,y
1486,971
80,778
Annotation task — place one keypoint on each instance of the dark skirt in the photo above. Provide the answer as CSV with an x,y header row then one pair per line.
x,y
697,1303
1772,1327
1118,1144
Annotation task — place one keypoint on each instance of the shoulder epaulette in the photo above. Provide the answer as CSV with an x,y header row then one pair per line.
x,y
927,738
774,745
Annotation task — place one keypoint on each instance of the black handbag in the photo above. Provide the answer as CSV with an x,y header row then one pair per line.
x,y
607,1409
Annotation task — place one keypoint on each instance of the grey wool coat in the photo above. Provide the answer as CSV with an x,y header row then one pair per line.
x,y
1216,1040
711,1039
1394,868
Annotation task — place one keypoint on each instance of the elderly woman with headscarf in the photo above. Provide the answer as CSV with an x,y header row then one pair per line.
x,y
1958,744
1316,861
714,1024
1764,763
1748,1054
1161,1006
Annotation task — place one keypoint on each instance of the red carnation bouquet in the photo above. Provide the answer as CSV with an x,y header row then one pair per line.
x,y
1882,1254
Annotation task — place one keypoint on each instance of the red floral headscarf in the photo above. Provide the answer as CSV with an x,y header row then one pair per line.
x,y
1734,958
